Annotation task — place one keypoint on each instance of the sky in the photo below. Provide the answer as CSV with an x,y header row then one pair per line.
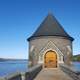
x,y
20,18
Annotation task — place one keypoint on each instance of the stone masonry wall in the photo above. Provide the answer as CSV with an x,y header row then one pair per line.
x,y
63,44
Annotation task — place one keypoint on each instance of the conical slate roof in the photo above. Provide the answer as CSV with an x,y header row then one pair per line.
x,y
50,27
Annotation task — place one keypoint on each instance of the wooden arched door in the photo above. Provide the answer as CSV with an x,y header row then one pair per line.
x,y
50,59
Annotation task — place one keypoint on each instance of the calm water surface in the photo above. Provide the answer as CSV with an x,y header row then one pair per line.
x,y
76,66
9,67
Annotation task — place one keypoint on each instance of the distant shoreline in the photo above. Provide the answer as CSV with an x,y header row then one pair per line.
x,y
3,60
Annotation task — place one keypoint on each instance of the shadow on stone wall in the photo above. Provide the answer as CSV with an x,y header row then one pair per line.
x,y
71,72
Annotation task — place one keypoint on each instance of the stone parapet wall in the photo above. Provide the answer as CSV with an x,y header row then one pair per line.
x,y
32,73
70,72
14,76
29,75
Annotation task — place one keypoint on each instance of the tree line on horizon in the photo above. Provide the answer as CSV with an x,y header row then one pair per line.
x,y
76,58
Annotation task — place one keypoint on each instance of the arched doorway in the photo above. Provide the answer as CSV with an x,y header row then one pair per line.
x,y
50,59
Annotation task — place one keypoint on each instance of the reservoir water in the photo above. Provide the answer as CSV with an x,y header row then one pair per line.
x,y
10,67
76,66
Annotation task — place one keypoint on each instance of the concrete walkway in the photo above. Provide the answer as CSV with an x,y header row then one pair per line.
x,y
52,74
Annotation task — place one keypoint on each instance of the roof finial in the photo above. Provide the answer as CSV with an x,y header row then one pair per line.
x,y
49,13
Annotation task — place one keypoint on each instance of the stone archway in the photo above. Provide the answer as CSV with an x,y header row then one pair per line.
x,y
50,59
50,46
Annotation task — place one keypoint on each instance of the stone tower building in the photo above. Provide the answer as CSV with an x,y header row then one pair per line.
x,y
50,44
